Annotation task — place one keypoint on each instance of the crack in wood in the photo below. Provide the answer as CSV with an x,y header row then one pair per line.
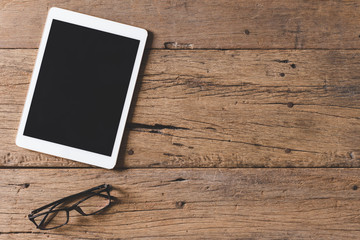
x,y
156,126
26,232
180,179
178,144
23,185
233,141
281,61
172,155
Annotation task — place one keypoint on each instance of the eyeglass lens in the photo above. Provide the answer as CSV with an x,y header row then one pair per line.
x,y
52,220
95,203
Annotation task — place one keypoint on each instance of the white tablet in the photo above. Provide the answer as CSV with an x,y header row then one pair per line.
x,y
81,88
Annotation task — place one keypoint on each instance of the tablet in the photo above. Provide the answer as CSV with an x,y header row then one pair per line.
x,y
81,88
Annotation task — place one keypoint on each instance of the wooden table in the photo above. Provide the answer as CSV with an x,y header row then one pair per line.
x,y
245,123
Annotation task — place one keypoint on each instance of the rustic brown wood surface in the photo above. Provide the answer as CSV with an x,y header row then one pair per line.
x,y
179,203
220,109
231,94
202,24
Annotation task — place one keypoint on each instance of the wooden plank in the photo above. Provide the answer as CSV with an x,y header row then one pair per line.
x,y
219,109
202,24
196,203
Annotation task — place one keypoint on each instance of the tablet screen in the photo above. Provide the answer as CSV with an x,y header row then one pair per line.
x,y
81,87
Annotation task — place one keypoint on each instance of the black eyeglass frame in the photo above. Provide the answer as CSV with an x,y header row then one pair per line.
x,y
102,188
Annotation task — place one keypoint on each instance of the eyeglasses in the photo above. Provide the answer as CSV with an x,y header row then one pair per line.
x,y
92,201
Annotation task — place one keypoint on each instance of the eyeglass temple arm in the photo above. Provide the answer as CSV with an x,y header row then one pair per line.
x,y
105,186
46,215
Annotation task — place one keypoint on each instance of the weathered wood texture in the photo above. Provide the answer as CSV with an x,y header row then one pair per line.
x,y
192,203
202,108
202,24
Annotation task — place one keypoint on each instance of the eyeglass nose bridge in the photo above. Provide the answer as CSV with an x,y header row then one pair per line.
x,y
79,210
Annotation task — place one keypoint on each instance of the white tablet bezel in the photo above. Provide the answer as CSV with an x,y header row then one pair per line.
x,y
62,150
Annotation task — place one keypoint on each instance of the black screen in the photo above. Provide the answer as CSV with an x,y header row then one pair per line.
x,y
81,87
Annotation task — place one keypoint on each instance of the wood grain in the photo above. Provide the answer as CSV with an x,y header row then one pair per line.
x,y
191,203
260,24
239,94
219,109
